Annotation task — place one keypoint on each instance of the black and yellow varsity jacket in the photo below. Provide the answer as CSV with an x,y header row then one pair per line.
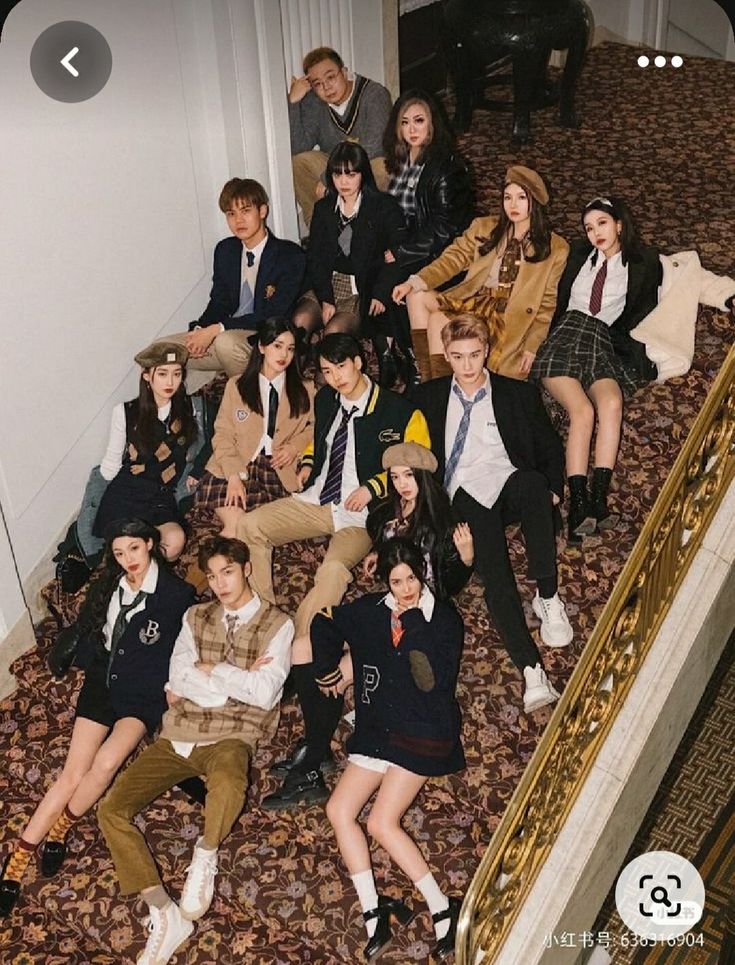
x,y
388,419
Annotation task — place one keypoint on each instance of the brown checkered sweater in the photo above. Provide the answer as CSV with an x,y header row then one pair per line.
x,y
189,723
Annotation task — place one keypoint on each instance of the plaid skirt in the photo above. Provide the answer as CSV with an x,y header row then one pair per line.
x,y
344,298
262,486
580,348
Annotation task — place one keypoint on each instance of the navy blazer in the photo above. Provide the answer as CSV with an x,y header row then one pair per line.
x,y
139,666
529,438
279,283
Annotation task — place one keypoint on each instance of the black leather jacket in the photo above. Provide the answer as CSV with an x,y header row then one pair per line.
x,y
444,208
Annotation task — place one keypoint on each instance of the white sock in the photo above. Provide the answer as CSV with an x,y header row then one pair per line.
x,y
436,900
365,887
200,846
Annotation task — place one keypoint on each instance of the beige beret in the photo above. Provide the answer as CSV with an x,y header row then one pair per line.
x,y
529,180
410,454
162,353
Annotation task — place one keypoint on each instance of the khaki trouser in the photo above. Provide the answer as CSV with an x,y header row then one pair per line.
x,y
308,168
289,519
223,765
229,353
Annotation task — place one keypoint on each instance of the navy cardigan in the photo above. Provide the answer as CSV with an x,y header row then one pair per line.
x,y
395,720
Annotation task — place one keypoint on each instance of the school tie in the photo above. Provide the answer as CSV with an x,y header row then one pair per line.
x,y
250,258
597,285
272,411
461,437
333,483
232,620
396,628
121,619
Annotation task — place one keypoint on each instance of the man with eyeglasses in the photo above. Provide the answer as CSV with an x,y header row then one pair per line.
x,y
330,104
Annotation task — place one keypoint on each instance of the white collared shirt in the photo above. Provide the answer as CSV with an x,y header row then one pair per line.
x,y
261,688
113,458
484,466
150,581
426,602
614,292
342,518
278,383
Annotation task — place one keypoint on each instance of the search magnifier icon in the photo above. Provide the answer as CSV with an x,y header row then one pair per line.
x,y
660,896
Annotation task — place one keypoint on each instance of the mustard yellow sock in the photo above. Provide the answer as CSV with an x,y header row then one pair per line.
x,y
19,861
60,830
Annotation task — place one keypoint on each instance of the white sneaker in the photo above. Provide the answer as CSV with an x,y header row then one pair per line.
x,y
168,932
538,692
199,887
556,630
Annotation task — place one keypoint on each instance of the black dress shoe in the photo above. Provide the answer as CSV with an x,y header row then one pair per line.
x,y
52,857
383,930
295,759
298,788
445,946
9,891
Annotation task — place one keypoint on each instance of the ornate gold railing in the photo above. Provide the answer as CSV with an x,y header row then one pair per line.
x,y
599,685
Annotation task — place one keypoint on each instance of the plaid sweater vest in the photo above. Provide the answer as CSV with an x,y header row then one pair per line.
x,y
167,461
191,724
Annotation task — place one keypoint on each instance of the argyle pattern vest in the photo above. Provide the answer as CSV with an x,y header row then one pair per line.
x,y
166,463
191,724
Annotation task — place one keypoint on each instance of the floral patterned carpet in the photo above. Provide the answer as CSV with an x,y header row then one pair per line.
x,y
658,137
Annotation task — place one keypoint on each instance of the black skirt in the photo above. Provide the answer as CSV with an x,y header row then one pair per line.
x,y
580,347
95,701
129,496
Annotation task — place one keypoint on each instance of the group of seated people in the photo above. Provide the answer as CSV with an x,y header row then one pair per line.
x,y
418,487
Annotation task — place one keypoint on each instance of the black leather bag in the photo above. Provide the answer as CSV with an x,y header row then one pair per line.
x,y
64,650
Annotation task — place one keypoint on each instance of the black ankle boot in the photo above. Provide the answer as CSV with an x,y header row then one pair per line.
x,y
383,931
580,520
600,485
387,368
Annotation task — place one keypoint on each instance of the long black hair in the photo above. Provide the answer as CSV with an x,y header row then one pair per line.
x,y
94,610
146,415
431,519
248,385
441,143
349,156
630,240
537,245
401,550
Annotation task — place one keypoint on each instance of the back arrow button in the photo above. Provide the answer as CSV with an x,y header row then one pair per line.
x,y
66,61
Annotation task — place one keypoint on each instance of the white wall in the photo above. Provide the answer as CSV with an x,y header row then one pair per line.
x,y
110,216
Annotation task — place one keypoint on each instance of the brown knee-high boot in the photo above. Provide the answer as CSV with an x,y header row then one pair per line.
x,y
420,340
439,365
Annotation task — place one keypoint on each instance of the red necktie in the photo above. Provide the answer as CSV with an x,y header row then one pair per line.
x,y
597,285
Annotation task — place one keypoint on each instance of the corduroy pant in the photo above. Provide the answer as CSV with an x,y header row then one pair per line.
x,y
224,767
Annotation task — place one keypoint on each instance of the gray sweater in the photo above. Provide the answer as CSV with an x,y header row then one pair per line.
x,y
313,123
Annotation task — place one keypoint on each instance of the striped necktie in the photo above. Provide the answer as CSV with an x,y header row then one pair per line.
x,y
332,487
464,428
597,285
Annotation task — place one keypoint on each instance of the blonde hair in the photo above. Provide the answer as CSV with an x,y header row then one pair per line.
x,y
465,326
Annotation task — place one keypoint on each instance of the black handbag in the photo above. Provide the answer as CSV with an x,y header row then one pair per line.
x,y
62,653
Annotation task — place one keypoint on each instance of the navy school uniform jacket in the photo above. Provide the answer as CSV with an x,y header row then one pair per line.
x,y
138,669
278,285
395,720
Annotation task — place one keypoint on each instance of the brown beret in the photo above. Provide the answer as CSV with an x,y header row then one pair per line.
x,y
410,454
162,353
528,179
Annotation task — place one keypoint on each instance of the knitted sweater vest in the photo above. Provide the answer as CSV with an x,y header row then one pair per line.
x,y
189,723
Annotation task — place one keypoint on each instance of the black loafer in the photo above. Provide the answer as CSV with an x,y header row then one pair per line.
x,y
298,788
383,931
445,946
9,892
52,857
296,758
